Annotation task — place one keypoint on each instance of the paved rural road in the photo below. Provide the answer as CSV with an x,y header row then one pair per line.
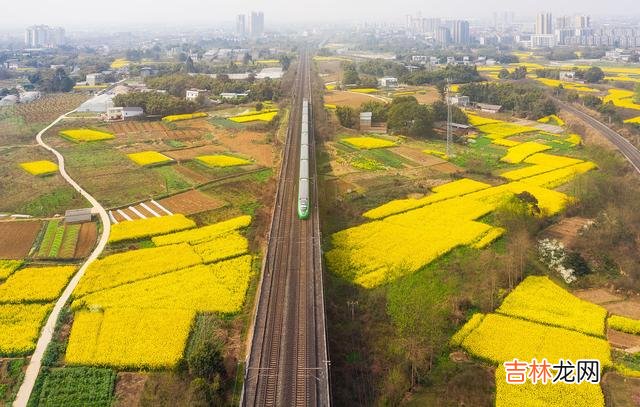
x,y
47,331
626,148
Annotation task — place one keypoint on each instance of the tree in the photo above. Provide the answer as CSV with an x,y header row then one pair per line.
x,y
591,101
379,110
259,106
205,360
188,65
346,116
406,116
350,74
593,75
59,81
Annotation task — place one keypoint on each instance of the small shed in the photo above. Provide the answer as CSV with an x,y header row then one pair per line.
x,y
485,107
78,215
388,82
365,119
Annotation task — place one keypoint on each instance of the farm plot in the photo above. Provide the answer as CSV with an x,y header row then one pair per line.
x,y
78,386
17,238
137,131
424,229
191,202
351,99
143,210
136,309
551,331
149,158
60,240
78,135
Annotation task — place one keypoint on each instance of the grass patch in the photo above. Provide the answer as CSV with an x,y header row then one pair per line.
x,y
78,386
173,180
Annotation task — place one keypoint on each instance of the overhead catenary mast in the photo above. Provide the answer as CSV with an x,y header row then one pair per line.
x,y
449,135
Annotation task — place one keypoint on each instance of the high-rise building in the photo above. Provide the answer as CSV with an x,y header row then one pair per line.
x,y
544,23
39,36
241,25
460,32
582,22
563,22
443,36
431,25
256,23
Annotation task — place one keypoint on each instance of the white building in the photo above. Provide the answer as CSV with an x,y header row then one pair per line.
x,y
193,94
123,113
388,82
94,79
97,104
543,41
43,36
233,96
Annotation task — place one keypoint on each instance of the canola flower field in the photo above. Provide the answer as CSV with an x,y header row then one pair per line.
x,y
7,267
135,309
624,324
26,298
421,230
220,160
181,117
539,319
367,143
149,158
621,98
264,115
40,168
77,135
142,228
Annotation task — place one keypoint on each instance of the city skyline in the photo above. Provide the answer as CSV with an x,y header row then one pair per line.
x,y
146,13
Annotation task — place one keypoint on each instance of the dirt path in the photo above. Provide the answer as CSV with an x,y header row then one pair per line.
x,y
46,334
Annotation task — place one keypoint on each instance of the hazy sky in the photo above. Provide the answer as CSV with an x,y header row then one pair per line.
x,y
87,13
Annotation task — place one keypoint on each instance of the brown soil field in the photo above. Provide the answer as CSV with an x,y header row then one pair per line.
x,y
49,107
191,153
191,202
417,156
330,71
627,308
17,237
447,168
86,239
597,295
131,131
620,391
195,176
250,144
567,230
623,340
342,98
129,387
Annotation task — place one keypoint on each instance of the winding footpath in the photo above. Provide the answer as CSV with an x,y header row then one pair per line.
x,y
46,334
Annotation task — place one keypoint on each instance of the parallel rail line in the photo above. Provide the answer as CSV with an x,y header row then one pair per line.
x,y
288,360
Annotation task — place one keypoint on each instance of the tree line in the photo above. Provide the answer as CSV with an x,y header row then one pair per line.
x,y
524,100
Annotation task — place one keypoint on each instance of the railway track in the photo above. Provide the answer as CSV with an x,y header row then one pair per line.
x,y
288,362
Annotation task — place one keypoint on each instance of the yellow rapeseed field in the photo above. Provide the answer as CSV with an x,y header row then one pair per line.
x,y
518,153
180,117
476,120
546,395
624,324
635,120
552,119
222,247
40,168
149,158
542,163
470,325
442,192
85,135
7,267
143,228
539,299
500,338
134,265
554,83
493,234
555,178
119,63
622,98
368,143
219,160
505,142
364,90
35,284
504,129
205,233
20,326
129,338
264,115
217,287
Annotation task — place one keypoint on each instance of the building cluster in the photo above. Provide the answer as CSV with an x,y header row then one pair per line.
x,y
452,32
251,24
43,36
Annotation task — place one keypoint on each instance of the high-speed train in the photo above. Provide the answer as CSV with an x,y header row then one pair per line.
x,y
303,179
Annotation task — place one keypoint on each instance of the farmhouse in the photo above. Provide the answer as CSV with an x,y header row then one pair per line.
x,y
94,79
193,94
388,82
123,113
233,96
459,100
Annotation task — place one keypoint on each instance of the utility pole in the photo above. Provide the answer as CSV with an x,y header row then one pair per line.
x,y
449,136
